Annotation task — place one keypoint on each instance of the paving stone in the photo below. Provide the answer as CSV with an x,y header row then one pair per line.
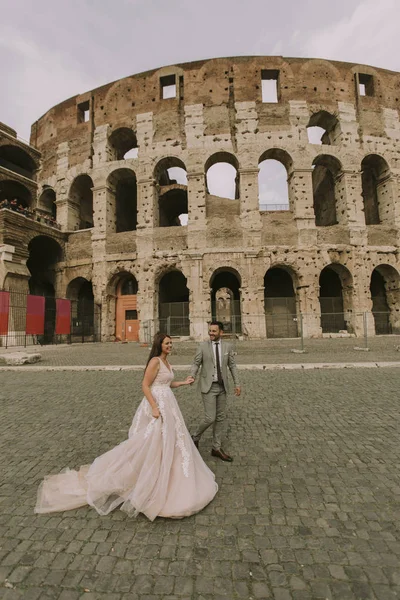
x,y
307,510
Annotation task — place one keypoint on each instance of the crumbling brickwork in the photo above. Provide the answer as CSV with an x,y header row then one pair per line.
x,y
119,214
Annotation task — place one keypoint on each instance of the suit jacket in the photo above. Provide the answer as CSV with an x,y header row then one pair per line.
x,y
205,359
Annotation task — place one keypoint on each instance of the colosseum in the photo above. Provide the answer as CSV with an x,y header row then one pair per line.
x,y
115,204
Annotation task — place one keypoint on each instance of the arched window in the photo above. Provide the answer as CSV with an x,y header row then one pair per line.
x,y
335,283
47,202
123,144
225,299
385,296
123,187
174,304
81,202
222,176
324,179
280,304
323,128
17,160
376,189
171,183
273,191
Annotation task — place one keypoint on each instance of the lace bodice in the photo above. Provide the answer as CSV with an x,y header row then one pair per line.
x,y
164,375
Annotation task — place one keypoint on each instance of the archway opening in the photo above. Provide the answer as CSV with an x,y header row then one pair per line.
x,y
81,199
222,176
273,190
123,181
14,195
334,300
173,307
280,304
171,184
123,144
324,180
80,292
47,203
323,128
376,189
385,296
17,160
225,299
126,309
44,254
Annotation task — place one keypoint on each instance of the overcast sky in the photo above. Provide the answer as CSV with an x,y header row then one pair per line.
x,y
50,50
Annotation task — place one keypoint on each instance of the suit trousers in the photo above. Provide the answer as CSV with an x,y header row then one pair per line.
x,y
214,414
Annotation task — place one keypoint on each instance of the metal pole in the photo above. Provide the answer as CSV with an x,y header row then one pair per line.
x,y
301,332
365,329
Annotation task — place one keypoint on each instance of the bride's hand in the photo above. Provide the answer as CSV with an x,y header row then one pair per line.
x,y
155,412
189,380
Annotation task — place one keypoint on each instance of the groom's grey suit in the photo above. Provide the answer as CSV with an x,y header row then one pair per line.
x,y
214,393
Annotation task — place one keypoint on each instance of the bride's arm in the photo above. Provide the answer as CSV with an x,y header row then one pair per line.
x,y
188,381
149,376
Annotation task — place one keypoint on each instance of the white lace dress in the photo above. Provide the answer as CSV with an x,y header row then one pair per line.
x,y
157,471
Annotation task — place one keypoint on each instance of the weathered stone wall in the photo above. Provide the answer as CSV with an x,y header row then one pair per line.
x,y
218,108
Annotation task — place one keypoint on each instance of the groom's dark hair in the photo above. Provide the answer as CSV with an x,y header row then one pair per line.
x,y
219,324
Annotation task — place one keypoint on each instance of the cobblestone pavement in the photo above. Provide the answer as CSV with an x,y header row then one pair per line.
x,y
309,509
275,351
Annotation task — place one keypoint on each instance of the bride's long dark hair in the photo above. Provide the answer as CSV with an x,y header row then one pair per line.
x,y
156,347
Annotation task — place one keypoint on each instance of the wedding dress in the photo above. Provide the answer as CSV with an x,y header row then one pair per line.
x,y
157,471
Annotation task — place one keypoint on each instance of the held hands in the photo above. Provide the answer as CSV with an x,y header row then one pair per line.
x,y
237,390
189,380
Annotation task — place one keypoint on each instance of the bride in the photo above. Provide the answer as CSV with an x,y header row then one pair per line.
x,y
157,471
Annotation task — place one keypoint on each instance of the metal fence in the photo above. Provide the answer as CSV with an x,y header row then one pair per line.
x,y
282,322
84,319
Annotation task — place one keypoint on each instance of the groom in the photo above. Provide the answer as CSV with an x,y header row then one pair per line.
x,y
214,357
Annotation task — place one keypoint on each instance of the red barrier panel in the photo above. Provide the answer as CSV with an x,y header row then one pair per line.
x,y
4,311
35,315
63,316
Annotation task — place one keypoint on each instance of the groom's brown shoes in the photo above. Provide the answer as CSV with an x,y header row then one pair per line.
x,y
221,454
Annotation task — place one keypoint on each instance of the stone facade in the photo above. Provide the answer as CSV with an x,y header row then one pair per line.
x,y
335,245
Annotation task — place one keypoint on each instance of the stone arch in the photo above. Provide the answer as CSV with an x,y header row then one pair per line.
x,y
275,165
385,297
173,302
80,203
325,182
323,128
14,194
18,161
80,292
229,281
122,185
44,254
47,202
225,168
280,302
377,190
122,141
322,69
170,176
336,298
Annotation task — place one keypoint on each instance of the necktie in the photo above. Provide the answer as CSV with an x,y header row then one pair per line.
x,y
219,372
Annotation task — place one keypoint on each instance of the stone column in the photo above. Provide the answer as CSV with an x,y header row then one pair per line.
x,y
310,309
249,208
252,300
101,152
147,306
302,204
349,205
67,213
199,300
197,221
